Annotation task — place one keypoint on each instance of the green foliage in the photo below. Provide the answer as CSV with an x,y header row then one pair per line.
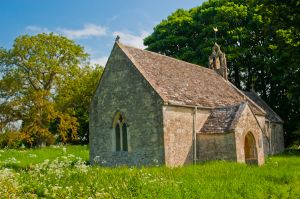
x,y
45,83
11,140
62,172
295,137
25,158
76,101
260,39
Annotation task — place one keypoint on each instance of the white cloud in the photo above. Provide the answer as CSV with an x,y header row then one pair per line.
x,y
131,39
93,30
88,30
37,29
101,61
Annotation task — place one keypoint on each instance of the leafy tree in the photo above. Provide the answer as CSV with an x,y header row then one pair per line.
x,y
285,70
80,89
261,41
34,73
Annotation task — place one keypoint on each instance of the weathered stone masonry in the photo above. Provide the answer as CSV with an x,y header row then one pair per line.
x,y
165,103
124,89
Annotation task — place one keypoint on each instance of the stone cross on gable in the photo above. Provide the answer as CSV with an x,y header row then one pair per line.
x,y
217,61
117,38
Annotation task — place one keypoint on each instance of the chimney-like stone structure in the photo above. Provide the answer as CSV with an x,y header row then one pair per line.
x,y
217,61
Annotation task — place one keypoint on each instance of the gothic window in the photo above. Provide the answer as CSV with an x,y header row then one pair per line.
x,y
120,138
124,136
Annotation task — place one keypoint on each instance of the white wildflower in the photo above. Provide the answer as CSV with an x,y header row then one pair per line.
x,y
32,155
56,188
81,166
11,160
64,149
96,159
72,156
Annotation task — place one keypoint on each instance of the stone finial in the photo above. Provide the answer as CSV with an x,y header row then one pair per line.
x,y
117,38
217,61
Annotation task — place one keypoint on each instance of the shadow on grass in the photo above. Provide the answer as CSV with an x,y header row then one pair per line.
x,y
15,167
290,152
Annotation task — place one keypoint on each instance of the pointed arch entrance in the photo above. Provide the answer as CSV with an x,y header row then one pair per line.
x,y
250,149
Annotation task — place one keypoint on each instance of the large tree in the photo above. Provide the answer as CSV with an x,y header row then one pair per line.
x,y
259,37
35,74
74,97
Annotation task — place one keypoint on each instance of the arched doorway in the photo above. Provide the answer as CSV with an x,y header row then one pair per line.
x,y
250,149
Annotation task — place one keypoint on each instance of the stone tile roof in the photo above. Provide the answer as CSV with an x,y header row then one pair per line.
x,y
222,120
270,114
183,83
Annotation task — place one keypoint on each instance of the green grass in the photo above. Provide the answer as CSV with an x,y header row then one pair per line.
x,y
21,159
66,175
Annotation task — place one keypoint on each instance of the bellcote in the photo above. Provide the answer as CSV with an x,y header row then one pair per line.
x,y
217,61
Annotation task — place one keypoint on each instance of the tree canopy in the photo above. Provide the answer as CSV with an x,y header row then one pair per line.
x,y
46,84
261,40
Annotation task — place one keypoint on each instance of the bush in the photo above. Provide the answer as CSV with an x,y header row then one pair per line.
x,y
12,140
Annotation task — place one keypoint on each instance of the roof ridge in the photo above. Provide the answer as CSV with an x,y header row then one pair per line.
x,y
166,75
169,57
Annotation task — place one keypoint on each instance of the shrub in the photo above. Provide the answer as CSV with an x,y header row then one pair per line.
x,y
11,140
39,139
14,139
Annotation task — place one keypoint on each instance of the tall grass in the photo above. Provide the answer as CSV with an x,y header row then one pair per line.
x,y
20,159
64,174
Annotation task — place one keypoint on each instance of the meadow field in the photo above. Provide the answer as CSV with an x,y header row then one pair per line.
x,y
64,172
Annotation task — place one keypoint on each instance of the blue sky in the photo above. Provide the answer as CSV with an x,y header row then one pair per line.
x,y
93,24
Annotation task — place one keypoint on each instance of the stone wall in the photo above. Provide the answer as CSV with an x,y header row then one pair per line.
x,y
261,120
273,138
266,133
122,88
276,139
266,141
178,133
247,123
216,146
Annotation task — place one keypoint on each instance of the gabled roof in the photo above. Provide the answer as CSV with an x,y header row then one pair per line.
x,y
222,120
183,83
270,114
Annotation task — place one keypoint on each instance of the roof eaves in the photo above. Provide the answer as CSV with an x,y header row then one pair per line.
x,y
215,132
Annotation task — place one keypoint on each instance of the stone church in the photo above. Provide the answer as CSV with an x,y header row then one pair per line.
x,y
151,109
